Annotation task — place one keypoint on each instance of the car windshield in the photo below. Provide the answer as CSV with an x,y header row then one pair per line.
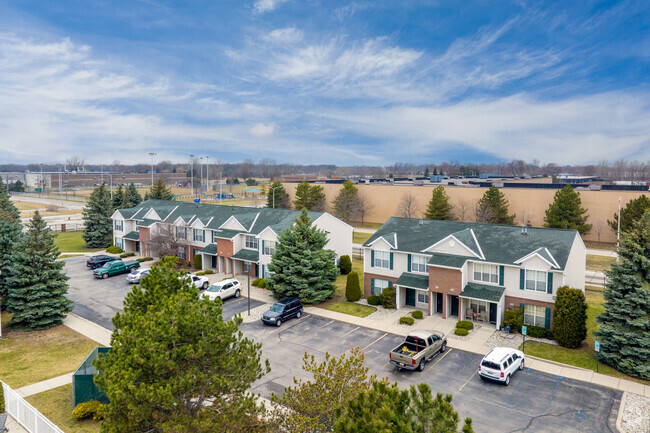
x,y
214,288
277,308
490,364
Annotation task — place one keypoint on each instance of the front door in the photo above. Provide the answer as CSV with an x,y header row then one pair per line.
x,y
454,305
439,300
493,312
137,246
214,262
410,297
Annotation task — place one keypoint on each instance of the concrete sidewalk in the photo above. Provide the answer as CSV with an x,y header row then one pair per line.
x,y
89,329
45,385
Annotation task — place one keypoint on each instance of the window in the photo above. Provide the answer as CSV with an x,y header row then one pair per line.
x,y
119,225
486,273
119,242
535,316
199,235
536,280
419,264
181,232
380,285
478,306
382,259
269,248
251,243
423,297
180,253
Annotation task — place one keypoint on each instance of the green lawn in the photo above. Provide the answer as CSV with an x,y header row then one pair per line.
x,y
30,357
599,263
341,280
56,405
350,308
360,238
374,226
72,242
584,356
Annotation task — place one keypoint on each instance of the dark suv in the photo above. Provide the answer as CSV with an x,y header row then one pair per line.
x,y
98,261
283,310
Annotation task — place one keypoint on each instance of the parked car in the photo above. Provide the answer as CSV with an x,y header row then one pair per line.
x,y
500,364
283,310
136,276
116,267
200,282
223,290
95,262
418,349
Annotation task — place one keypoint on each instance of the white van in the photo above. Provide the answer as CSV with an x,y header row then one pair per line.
x,y
500,364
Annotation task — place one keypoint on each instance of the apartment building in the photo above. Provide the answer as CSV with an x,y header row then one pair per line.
x,y
472,270
229,238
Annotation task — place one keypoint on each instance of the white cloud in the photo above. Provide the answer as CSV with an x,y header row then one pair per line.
x,y
262,130
262,6
287,35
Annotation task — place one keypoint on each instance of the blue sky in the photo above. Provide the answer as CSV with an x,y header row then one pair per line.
x,y
325,81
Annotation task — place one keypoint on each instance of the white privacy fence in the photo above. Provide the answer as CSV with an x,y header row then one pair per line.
x,y
26,415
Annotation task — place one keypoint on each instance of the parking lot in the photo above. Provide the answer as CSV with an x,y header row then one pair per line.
x,y
534,401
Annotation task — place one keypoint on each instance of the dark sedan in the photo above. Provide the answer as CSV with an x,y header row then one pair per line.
x,y
98,261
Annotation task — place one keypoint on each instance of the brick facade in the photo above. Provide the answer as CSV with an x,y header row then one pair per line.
x,y
145,236
366,282
517,301
445,281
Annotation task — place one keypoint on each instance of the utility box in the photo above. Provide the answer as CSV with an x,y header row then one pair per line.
x,y
83,386
436,179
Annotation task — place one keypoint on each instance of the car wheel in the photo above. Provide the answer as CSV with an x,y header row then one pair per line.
x,y
104,276
507,382
132,268
421,366
521,366
237,293
205,286
298,314
278,323
444,347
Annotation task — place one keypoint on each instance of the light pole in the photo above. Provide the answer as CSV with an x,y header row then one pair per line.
x,y
249,268
192,172
618,230
207,175
201,162
152,154
111,177
273,193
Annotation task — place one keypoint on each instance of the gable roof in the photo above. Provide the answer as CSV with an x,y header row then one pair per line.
x,y
495,243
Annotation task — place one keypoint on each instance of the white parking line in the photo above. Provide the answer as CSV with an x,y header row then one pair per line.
x,y
348,333
374,341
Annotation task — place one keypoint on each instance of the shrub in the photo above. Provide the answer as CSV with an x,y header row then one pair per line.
x,y
570,317
417,314
352,288
114,250
256,282
406,320
208,272
374,300
262,284
89,409
198,262
200,273
143,259
126,255
539,332
461,331
513,318
345,265
465,324
388,297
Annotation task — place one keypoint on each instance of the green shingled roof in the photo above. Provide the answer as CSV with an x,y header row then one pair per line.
x,y
146,223
414,281
499,243
483,292
247,255
132,236
227,234
448,260
210,249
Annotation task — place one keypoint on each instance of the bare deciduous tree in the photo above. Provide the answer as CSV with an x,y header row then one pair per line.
x,y
462,210
483,214
408,206
364,204
167,239
74,163
598,228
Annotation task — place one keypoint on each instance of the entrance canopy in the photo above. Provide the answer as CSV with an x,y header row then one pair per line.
x,y
247,256
414,281
132,236
210,249
483,292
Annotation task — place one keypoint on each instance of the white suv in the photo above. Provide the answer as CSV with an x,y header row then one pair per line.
x,y
500,364
222,290
198,281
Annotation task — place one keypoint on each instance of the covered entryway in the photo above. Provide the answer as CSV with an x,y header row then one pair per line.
x,y
483,303
412,290
454,305
439,302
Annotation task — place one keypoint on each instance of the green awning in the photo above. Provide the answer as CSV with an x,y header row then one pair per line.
x,y
483,292
210,249
247,256
414,281
132,236
227,233
448,260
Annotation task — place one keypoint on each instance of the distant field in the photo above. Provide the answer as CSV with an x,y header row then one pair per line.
x,y
27,205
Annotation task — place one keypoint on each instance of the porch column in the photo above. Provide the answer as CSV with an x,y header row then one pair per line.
x,y
397,290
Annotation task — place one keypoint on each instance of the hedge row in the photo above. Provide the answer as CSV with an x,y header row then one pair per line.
x,y
143,259
126,255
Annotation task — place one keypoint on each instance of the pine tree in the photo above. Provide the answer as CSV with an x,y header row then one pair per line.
x,y
346,203
277,196
37,286
10,234
352,287
118,198
426,172
570,317
310,197
300,265
631,213
439,207
493,208
159,191
134,197
624,327
98,231
566,212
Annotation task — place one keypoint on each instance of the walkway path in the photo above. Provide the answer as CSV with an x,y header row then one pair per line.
x,y
45,385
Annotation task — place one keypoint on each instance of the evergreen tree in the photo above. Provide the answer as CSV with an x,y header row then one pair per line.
x,y
624,327
159,191
300,265
346,203
10,234
570,317
98,232
352,287
426,172
310,197
118,198
36,285
176,365
439,207
435,171
134,197
566,212
493,208
278,196
631,213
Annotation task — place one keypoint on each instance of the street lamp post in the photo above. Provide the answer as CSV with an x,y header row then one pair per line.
x,y
618,230
207,175
201,162
152,154
110,175
273,193
192,172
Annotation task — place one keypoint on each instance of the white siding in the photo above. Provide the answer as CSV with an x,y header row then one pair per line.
x,y
574,273
339,234
457,249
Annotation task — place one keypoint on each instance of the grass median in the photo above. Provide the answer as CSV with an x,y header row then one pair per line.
x,y
56,405
599,263
360,238
350,308
72,242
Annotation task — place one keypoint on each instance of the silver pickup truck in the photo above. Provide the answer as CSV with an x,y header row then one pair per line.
x,y
419,348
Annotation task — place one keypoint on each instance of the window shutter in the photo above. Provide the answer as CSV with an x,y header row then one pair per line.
x,y
547,319
262,246
372,258
501,270
522,279
391,261
549,286
263,271
372,286
390,284
409,263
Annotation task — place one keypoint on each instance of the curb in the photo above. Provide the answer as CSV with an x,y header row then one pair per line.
x,y
619,417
